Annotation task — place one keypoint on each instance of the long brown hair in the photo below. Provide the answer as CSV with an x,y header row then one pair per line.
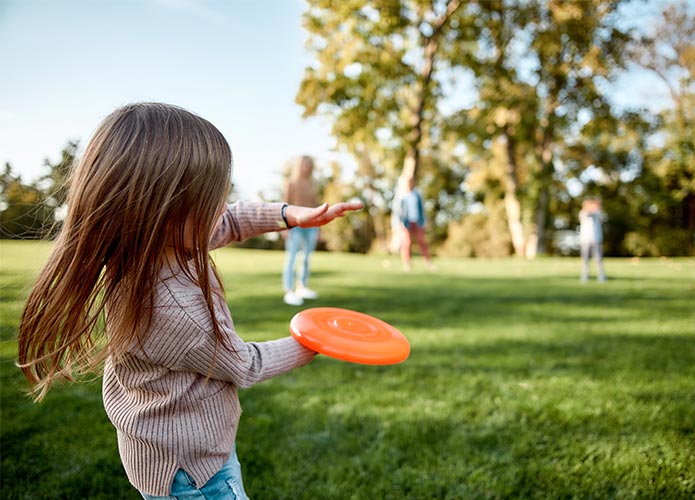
x,y
148,169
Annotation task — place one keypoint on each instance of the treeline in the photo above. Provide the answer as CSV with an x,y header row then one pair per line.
x,y
502,111
34,209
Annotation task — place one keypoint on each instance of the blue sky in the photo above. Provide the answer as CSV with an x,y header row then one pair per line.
x,y
68,63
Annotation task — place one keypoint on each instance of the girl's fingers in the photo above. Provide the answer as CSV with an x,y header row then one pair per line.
x,y
325,213
341,208
355,205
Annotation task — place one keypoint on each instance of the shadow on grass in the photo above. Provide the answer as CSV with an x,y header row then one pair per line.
x,y
499,420
568,406
479,427
64,447
472,303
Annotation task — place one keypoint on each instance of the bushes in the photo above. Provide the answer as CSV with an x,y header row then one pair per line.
x,y
479,235
668,243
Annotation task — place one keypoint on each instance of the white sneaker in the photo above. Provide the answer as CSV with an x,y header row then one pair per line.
x,y
306,293
292,299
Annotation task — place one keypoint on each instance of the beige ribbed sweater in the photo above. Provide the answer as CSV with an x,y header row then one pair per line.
x,y
167,413
301,192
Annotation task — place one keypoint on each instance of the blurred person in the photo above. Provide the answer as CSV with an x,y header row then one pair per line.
x,y
300,189
591,237
411,213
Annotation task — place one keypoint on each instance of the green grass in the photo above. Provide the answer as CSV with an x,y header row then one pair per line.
x,y
522,383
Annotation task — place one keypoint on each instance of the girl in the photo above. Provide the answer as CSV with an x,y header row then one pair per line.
x,y
130,282
300,190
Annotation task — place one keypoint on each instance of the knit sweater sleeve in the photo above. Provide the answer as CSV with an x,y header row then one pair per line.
x,y
243,220
182,338
246,363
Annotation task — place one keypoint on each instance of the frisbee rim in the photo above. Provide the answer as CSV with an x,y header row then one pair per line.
x,y
388,347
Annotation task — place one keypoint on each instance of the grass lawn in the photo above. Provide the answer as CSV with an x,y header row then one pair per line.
x,y
521,383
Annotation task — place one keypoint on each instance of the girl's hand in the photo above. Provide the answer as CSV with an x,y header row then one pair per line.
x,y
323,214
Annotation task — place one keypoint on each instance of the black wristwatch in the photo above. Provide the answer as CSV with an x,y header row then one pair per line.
x,y
284,216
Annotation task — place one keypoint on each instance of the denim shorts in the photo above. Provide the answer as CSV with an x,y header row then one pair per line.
x,y
226,484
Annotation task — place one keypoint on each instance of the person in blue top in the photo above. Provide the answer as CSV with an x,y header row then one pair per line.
x,y
409,210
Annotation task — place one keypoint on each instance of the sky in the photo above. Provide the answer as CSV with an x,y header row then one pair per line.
x,y
66,64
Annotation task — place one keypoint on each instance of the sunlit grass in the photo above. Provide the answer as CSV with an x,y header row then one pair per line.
x,y
522,383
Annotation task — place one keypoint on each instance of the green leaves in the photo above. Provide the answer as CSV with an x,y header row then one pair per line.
x,y
518,89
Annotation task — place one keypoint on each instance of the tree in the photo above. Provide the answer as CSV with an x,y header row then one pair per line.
x,y
388,74
539,74
54,184
670,54
380,74
32,210
23,213
379,77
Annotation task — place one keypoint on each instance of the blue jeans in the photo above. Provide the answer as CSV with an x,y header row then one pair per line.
x,y
587,250
299,239
225,485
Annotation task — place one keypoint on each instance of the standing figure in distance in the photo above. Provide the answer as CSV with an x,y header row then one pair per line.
x,y
300,189
412,215
591,237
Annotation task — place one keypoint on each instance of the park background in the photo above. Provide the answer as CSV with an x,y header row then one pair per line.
x,y
522,383
509,112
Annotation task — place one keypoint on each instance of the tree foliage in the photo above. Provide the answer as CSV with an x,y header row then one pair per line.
x,y
670,54
379,75
508,98
23,211
31,210
501,110
539,74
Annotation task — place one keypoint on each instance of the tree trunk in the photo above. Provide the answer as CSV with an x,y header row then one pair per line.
x,y
411,162
511,201
541,219
430,47
513,209
544,180
690,200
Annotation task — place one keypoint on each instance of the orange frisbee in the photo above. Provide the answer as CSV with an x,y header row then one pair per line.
x,y
350,336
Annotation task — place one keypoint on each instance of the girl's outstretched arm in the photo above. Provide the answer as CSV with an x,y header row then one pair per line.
x,y
242,220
